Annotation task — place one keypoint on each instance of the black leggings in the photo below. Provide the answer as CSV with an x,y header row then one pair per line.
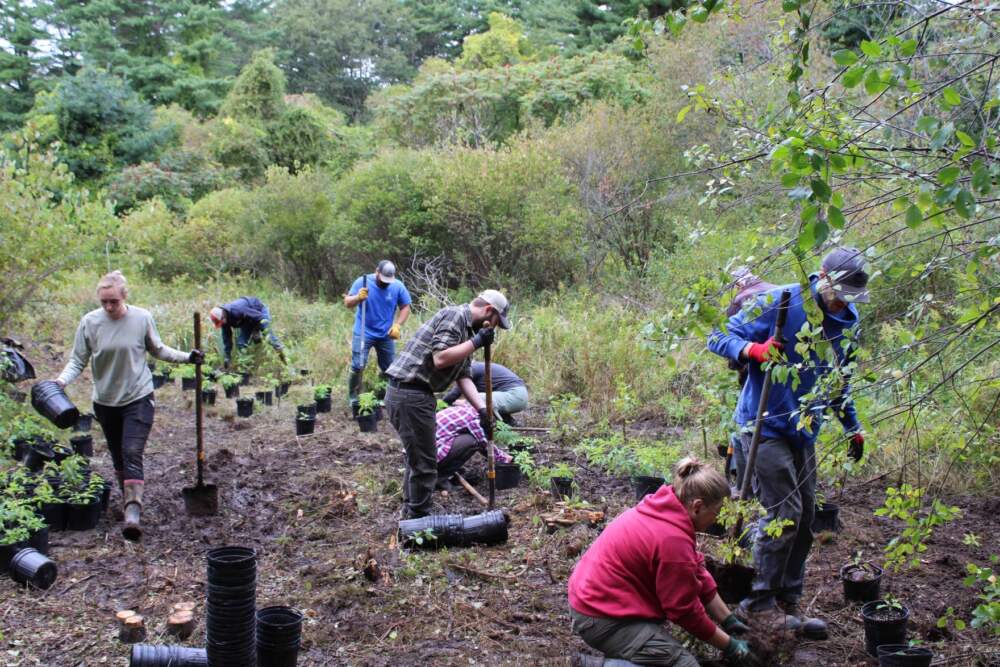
x,y
462,449
126,429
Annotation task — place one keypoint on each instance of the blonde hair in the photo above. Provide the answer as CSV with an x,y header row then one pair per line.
x,y
114,280
694,479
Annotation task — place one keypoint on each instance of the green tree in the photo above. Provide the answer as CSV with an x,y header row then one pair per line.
x,y
21,60
503,44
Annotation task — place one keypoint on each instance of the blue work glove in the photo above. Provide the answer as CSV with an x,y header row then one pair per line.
x,y
483,337
738,653
734,626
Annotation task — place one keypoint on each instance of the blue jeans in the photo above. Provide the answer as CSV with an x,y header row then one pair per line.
x,y
247,335
384,348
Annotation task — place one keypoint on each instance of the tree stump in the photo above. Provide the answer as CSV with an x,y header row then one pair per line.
x,y
181,624
133,630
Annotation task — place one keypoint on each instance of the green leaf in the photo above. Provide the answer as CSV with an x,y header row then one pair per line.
x,y
790,5
835,217
854,75
928,124
951,96
874,83
914,217
820,189
965,139
638,44
683,113
965,203
845,57
991,103
948,175
982,182
699,14
809,213
807,238
790,180
676,21
908,48
871,49
942,136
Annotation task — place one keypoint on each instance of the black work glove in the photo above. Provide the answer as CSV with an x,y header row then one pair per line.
x,y
734,626
483,337
484,420
857,447
196,357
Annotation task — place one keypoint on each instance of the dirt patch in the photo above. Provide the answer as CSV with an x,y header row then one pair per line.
x,y
322,511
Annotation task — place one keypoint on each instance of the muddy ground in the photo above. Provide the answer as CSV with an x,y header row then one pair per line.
x,y
319,508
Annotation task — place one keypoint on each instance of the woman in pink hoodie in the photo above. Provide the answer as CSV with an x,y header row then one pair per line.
x,y
644,569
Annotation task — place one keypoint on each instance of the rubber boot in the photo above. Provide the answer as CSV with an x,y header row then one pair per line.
x,y
120,475
810,628
132,530
354,386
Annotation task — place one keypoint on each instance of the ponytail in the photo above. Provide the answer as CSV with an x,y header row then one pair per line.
x,y
694,479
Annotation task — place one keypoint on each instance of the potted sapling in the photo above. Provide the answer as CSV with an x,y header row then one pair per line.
x,y
51,507
561,481
380,386
230,384
305,423
13,538
367,404
84,510
323,395
862,580
885,623
187,375
208,392
23,514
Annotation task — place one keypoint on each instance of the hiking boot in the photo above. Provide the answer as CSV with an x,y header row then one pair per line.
x,y
450,485
769,618
132,530
810,628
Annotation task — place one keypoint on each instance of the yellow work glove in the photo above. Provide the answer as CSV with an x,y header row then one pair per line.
x,y
394,332
362,294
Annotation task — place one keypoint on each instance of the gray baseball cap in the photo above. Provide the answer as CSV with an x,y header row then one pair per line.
x,y
386,270
498,301
845,267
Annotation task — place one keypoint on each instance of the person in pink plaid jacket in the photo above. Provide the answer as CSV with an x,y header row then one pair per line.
x,y
459,435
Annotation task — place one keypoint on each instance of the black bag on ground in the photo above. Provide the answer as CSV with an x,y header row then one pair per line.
x,y
15,367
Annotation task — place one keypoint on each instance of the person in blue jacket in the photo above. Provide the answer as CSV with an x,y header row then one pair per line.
x,y
784,476
251,316
386,308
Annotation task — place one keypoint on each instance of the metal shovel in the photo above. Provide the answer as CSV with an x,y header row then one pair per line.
x,y
491,470
201,499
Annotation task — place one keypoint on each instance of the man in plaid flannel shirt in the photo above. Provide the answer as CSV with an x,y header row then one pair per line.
x,y
437,355
459,436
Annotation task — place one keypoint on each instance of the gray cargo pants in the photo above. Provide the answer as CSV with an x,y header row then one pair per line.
x,y
412,414
785,483
638,641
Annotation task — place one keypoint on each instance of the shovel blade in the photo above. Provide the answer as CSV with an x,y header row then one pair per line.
x,y
201,500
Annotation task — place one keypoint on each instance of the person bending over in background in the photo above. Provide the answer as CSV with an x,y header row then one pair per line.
x,y
644,569
510,393
784,474
115,339
459,435
382,294
437,355
252,318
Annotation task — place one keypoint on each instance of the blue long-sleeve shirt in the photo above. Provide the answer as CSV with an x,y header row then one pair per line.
x,y
785,410
247,313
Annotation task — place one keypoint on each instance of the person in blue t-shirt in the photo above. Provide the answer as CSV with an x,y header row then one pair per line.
x,y
386,305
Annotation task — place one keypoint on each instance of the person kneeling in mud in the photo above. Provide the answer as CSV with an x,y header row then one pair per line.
x,y
459,435
644,569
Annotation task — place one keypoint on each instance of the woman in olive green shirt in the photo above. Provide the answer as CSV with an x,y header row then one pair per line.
x,y
115,339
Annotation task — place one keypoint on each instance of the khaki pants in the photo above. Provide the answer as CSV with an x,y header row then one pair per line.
x,y
636,640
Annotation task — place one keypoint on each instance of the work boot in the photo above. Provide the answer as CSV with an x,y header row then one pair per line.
x,y
810,628
133,511
768,617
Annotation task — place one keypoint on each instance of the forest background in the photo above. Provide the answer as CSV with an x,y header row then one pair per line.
x,y
606,165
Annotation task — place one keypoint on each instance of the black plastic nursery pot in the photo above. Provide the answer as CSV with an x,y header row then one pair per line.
x,y
38,455
646,484
39,540
826,519
231,606
208,396
49,399
61,453
282,389
723,450
244,378
265,397
305,425
189,384
367,423
83,444
83,516
30,567
884,624
84,422
244,407
561,487
7,552
55,515
508,476
279,635
862,581
901,655
159,380
308,409
454,530
21,447
147,655
324,404
232,392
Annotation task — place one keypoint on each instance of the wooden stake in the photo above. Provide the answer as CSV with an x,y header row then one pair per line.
x,y
472,490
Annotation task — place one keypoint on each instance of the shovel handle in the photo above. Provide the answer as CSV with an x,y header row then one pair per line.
x,y
765,392
491,470
198,419
364,285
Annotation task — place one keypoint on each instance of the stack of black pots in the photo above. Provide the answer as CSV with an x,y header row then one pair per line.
x,y
279,634
231,607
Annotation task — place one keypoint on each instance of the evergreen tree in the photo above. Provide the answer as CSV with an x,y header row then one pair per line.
x,y
21,61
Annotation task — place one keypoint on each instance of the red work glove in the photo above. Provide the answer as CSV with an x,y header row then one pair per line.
x,y
761,352
857,447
